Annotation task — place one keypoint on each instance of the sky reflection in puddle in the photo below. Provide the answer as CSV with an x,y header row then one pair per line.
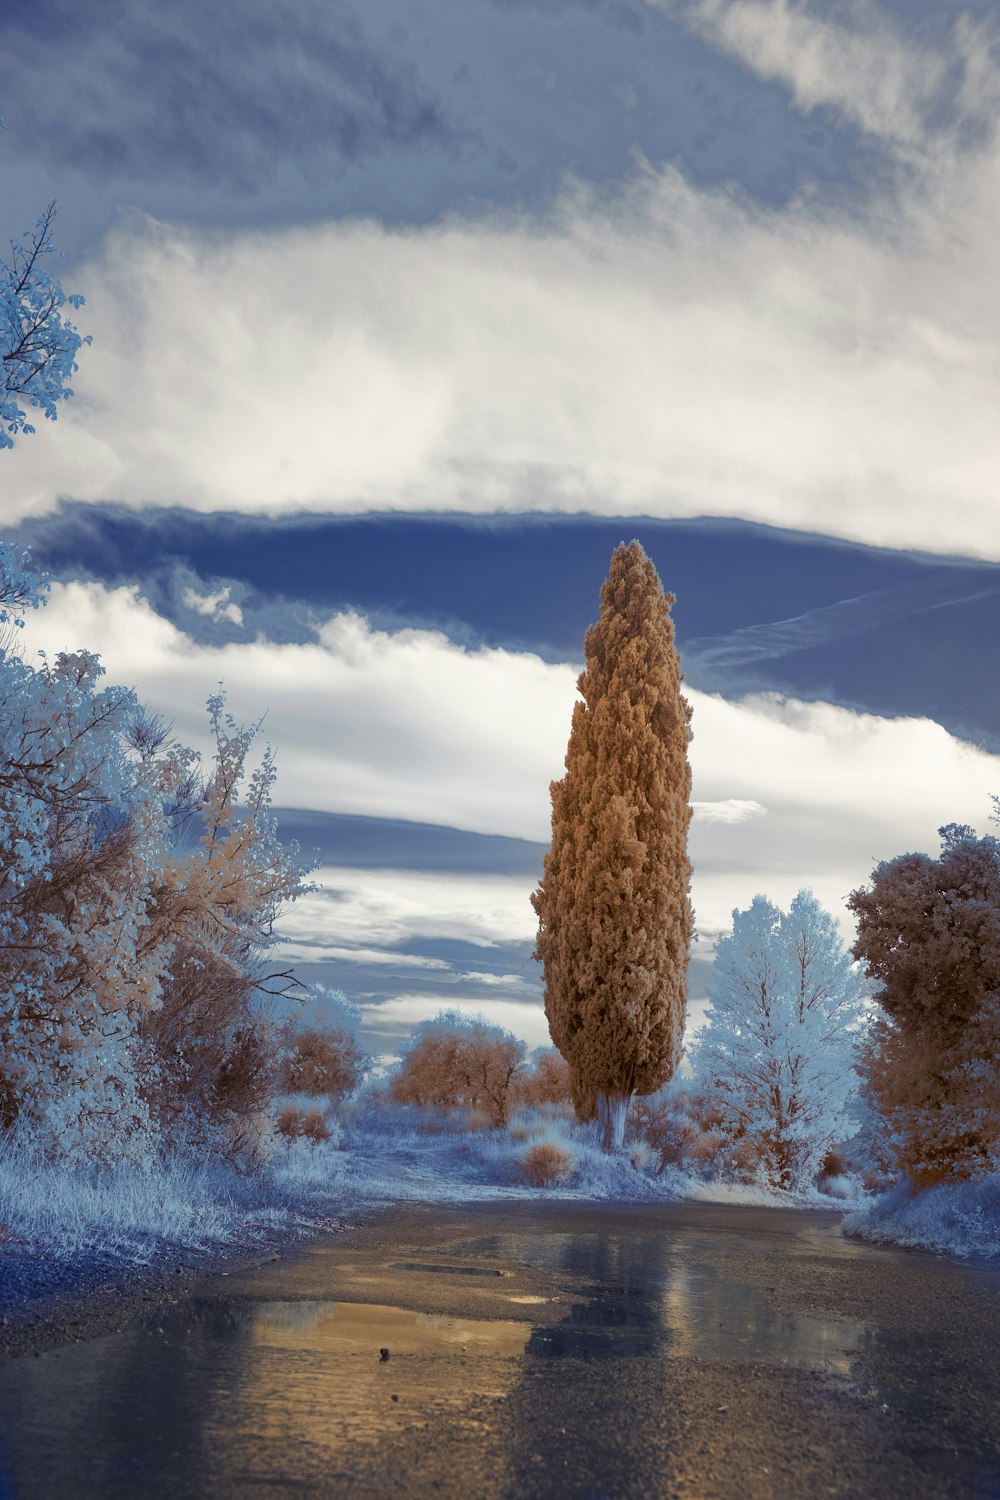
x,y
650,1302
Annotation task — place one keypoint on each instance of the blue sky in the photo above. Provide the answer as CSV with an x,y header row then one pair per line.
x,y
405,315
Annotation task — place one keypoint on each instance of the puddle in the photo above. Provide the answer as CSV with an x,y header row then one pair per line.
x,y
356,1328
413,1265
657,1298
212,1398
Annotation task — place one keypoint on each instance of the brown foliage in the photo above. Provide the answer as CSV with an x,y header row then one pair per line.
x,y
457,1065
212,1050
544,1165
547,1082
929,932
615,920
688,1131
215,1056
297,1124
324,1063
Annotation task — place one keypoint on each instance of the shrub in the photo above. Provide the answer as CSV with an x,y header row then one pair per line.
x,y
929,934
834,1164
687,1130
326,1064
544,1165
308,1124
547,1081
458,1062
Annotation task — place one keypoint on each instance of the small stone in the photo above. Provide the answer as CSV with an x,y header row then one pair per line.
x,y
383,1355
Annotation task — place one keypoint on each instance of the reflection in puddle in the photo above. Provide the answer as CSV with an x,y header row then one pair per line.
x,y
648,1300
364,1327
715,1318
329,1382
226,1398
413,1265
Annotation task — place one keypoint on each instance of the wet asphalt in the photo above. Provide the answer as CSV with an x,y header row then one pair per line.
x,y
517,1348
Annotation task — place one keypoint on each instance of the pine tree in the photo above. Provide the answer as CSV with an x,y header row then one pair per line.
x,y
778,1047
615,920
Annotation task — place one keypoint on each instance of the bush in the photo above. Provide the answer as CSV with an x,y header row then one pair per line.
x,y
458,1062
544,1165
929,934
685,1130
327,1064
297,1124
547,1082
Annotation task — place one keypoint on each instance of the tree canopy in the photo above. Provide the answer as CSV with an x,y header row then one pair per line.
x,y
929,934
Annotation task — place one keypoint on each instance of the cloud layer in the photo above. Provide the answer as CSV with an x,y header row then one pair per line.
x,y
673,355
411,726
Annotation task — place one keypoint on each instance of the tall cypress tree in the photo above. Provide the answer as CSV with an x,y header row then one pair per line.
x,y
615,919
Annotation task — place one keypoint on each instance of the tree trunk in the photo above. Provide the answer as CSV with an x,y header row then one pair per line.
x,y
612,1113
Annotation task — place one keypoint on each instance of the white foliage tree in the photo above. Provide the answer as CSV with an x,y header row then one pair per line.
x,y
778,1046
134,976
77,850
38,343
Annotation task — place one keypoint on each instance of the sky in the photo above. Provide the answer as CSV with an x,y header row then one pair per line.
x,y
405,314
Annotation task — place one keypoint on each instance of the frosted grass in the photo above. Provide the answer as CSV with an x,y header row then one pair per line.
x,y
133,1213
960,1219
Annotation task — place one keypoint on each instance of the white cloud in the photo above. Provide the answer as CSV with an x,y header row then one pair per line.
x,y
408,725
393,906
675,352
406,1011
858,61
412,726
315,951
499,981
729,810
217,606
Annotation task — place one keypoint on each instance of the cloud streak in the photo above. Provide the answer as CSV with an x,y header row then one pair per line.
x,y
410,726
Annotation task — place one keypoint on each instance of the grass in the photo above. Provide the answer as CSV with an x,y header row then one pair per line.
x,y
961,1218
133,1212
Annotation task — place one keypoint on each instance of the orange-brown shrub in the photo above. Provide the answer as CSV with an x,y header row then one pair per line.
x,y
455,1063
686,1130
326,1064
544,1165
546,1082
929,934
211,1050
834,1164
296,1124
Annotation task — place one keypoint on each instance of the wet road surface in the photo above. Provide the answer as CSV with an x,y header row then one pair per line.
x,y
535,1349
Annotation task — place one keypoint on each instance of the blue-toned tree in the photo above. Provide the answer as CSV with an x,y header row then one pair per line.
x,y
78,854
135,980
779,1043
38,342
